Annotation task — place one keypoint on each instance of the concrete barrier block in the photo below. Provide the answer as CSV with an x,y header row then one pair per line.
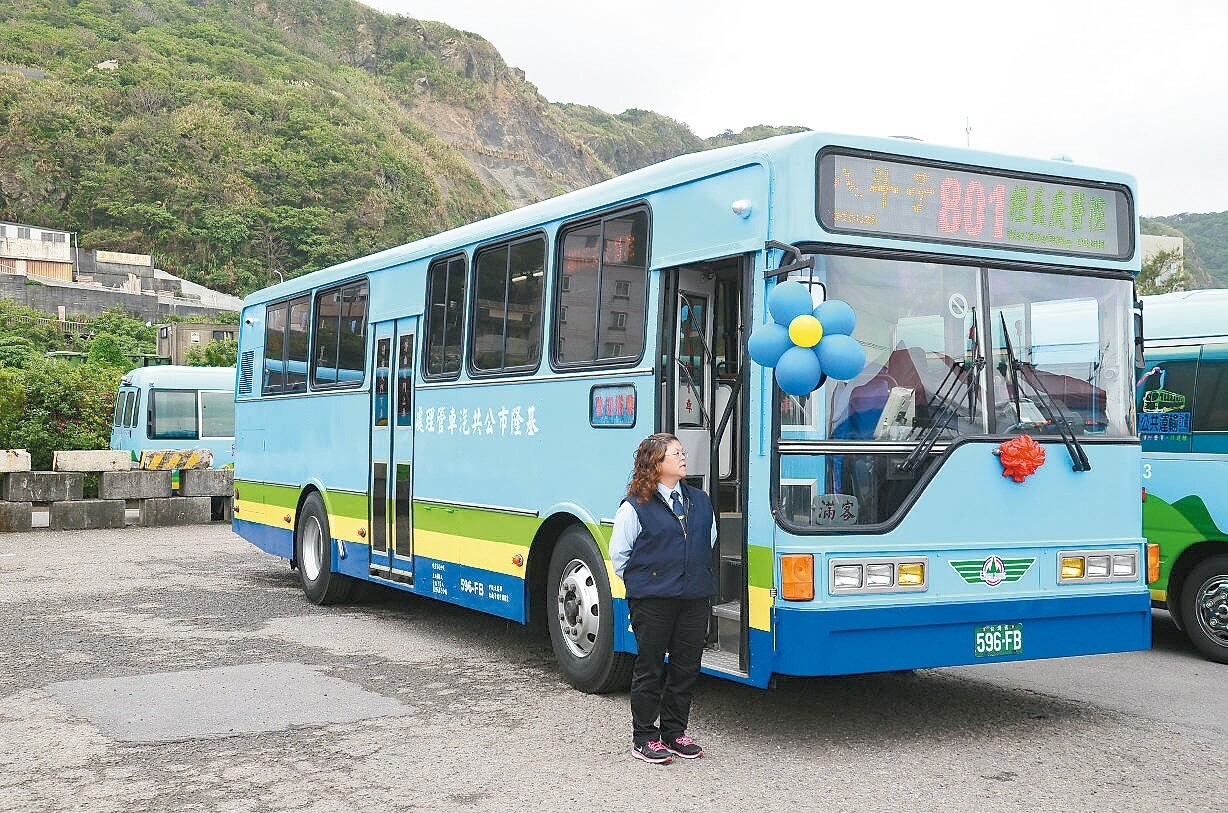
x,y
133,485
41,486
14,460
15,516
167,459
92,460
79,515
207,483
176,511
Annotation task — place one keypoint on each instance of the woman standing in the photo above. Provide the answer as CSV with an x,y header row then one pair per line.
x,y
664,532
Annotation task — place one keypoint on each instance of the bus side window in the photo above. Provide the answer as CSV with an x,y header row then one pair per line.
x,y
172,415
297,323
274,348
118,419
446,306
130,408
1211,400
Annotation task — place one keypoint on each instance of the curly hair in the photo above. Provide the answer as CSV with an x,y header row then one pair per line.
x,y
647,468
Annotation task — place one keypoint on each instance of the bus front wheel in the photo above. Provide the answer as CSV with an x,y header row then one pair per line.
x,y
1204,607
581,618
313,551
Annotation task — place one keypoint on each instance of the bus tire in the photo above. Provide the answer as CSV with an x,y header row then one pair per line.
x,y
313,550
1204,607
580,616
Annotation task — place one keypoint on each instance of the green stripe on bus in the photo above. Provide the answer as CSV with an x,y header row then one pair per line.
x,y
476,523
340,503
759,566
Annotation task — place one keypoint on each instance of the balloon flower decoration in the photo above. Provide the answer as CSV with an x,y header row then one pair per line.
x,y
805,343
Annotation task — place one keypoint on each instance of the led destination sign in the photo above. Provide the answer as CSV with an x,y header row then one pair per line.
x,y
895,198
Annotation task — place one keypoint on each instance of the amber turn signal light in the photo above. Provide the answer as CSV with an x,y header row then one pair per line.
x,y
797,576
1153,562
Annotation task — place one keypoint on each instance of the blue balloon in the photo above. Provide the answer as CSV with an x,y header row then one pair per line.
x,y
767,343
798,371
842,357
789,300
837,316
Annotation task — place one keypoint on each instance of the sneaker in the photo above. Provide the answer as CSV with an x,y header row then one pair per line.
x,y
652,751
683,746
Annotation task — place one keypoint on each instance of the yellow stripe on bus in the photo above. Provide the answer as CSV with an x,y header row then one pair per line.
x,y
264,514
760,608
1159,595
464,550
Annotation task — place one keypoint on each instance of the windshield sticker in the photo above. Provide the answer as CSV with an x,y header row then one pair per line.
x,y
1165,414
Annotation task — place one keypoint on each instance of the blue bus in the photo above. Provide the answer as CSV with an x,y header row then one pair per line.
x,y
174,407
1183,425
456,417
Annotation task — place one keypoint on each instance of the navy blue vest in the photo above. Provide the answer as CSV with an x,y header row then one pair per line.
x,y
664,562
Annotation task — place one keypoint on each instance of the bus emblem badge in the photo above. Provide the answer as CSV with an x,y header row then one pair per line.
x,y
993,571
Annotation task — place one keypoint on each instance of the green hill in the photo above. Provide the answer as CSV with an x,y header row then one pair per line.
x,y
231,139
1207,234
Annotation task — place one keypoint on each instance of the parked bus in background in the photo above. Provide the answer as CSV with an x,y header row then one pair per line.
x,y
173,407
1183,425
456,417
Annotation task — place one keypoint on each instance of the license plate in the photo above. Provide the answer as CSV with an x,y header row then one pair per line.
x,y
996,640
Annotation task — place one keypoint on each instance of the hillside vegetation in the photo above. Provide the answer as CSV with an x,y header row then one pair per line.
x,y
230,139
1206,244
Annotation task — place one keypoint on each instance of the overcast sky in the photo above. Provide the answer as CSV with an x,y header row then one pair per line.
x,y
1140,87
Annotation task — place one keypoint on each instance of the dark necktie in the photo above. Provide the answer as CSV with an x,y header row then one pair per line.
x,y
679,511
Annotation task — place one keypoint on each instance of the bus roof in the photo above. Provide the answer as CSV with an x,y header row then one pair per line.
x,y
1185,315
171,376
634,185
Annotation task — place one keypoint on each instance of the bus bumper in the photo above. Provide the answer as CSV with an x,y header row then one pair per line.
x,y
878,639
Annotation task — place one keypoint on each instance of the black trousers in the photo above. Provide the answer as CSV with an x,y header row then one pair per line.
x,y
678,626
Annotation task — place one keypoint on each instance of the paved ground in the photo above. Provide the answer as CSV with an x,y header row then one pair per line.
x,y
181,670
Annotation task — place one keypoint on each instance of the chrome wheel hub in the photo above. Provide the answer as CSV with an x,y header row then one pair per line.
x,y
1212,608
578,608
313,549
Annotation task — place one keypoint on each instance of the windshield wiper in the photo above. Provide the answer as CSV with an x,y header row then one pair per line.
x,y
1049,406
942,408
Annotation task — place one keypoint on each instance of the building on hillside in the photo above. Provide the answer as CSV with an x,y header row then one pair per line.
x,y
176,339
34,251
44,269
1153,244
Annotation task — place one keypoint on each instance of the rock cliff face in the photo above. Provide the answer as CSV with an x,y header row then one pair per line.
x,y
509,136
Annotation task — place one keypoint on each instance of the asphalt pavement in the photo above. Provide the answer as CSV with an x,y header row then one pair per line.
x,y
181,669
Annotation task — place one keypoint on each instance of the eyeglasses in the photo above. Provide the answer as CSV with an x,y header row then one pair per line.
x,y
677,453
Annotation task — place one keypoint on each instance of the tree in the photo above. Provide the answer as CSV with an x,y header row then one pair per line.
x,y
15,351
1162,273
50,407
217,353
105,352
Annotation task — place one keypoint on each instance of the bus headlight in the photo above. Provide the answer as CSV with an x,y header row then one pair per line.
x,y
880,575
1090,566
1097,567
1124,564
912,573
846,577
1072,567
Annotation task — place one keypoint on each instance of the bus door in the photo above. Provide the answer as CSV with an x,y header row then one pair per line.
x,y
392,451
704,407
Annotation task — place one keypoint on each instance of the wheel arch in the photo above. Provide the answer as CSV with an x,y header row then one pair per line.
x,y
537,567
1187,560
307,491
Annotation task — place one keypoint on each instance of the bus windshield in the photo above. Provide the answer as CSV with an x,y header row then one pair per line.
x,y
941,356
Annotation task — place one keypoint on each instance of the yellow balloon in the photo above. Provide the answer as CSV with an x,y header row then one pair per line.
x,y
805,331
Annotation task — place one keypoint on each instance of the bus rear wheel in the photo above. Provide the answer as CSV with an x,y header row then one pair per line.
x,y
580,616
1204,607
313,551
